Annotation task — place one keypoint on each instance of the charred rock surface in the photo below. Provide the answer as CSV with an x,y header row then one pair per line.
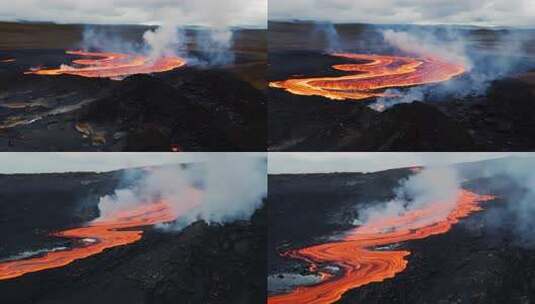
x,y
189,108
477,261
200,264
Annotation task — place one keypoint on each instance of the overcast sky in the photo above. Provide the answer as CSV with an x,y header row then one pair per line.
x,y
368,162
184,12
471,12
95,162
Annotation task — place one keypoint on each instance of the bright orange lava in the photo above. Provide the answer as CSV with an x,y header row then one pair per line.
x,y
113,65
101,233
360,260
370,79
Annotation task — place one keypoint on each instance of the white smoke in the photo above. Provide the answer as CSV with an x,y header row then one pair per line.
x,y
223,188
164,40
429,186
427,45
455,46
408,96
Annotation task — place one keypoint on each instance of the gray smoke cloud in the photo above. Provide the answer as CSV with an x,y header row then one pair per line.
x,y
221,189
429,186
215,22
453,45
513,180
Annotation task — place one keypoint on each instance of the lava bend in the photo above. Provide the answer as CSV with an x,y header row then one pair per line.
x,y
359,258
113,65
371,78
93,238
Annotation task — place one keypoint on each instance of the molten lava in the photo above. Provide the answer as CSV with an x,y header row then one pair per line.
x,y
94,238
371,78
360,260
112,65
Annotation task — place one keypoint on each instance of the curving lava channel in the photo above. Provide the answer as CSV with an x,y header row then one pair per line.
x,y
371,78
112,65
98,235
359,257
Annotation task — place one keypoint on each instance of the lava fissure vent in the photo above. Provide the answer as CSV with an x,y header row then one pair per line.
x,y
355,253
370,79
113,65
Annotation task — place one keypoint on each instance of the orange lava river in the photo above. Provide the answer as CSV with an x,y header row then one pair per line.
x,y
371,78
359,257
95,237
113,65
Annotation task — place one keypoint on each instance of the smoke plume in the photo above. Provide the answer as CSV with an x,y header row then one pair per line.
x,y
224,188
513,180
431,185
483,63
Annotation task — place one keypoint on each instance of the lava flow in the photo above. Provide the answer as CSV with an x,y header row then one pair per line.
x,y
371,78
94,238
359,257
113,65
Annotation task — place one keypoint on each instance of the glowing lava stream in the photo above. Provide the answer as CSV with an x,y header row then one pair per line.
x,y
97,236
113,65
360,263
370,79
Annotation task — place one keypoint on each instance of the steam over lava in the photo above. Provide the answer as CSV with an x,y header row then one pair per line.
x,y
355,254
98,235
113,65
369,79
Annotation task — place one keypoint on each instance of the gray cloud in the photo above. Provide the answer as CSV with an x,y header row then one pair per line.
x,y
287,162
12,162
212,13
470,12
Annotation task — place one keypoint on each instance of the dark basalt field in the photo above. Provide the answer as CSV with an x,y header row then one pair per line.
x,y
496,118
201,264
195,108
480,260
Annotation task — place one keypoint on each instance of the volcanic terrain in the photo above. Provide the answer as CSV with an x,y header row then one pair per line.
x,y
116,101
200,264
317,254
321,88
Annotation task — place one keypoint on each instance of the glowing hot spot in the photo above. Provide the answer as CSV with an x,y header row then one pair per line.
x,y
360,263
371,79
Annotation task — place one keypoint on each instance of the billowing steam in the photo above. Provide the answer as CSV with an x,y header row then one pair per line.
x,y
222,189
514,181
431,185
457,47
164,40
329,33
209,44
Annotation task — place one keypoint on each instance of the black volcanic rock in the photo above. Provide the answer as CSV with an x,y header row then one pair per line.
x,y
212,264
197,110
415,126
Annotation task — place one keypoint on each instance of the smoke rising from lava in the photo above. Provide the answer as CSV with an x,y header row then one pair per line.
x,y
514,179
431,185
231,187
456,46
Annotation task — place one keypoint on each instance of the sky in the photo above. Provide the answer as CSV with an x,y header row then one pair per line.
x,y
250,13
520,13
370,162
11,162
